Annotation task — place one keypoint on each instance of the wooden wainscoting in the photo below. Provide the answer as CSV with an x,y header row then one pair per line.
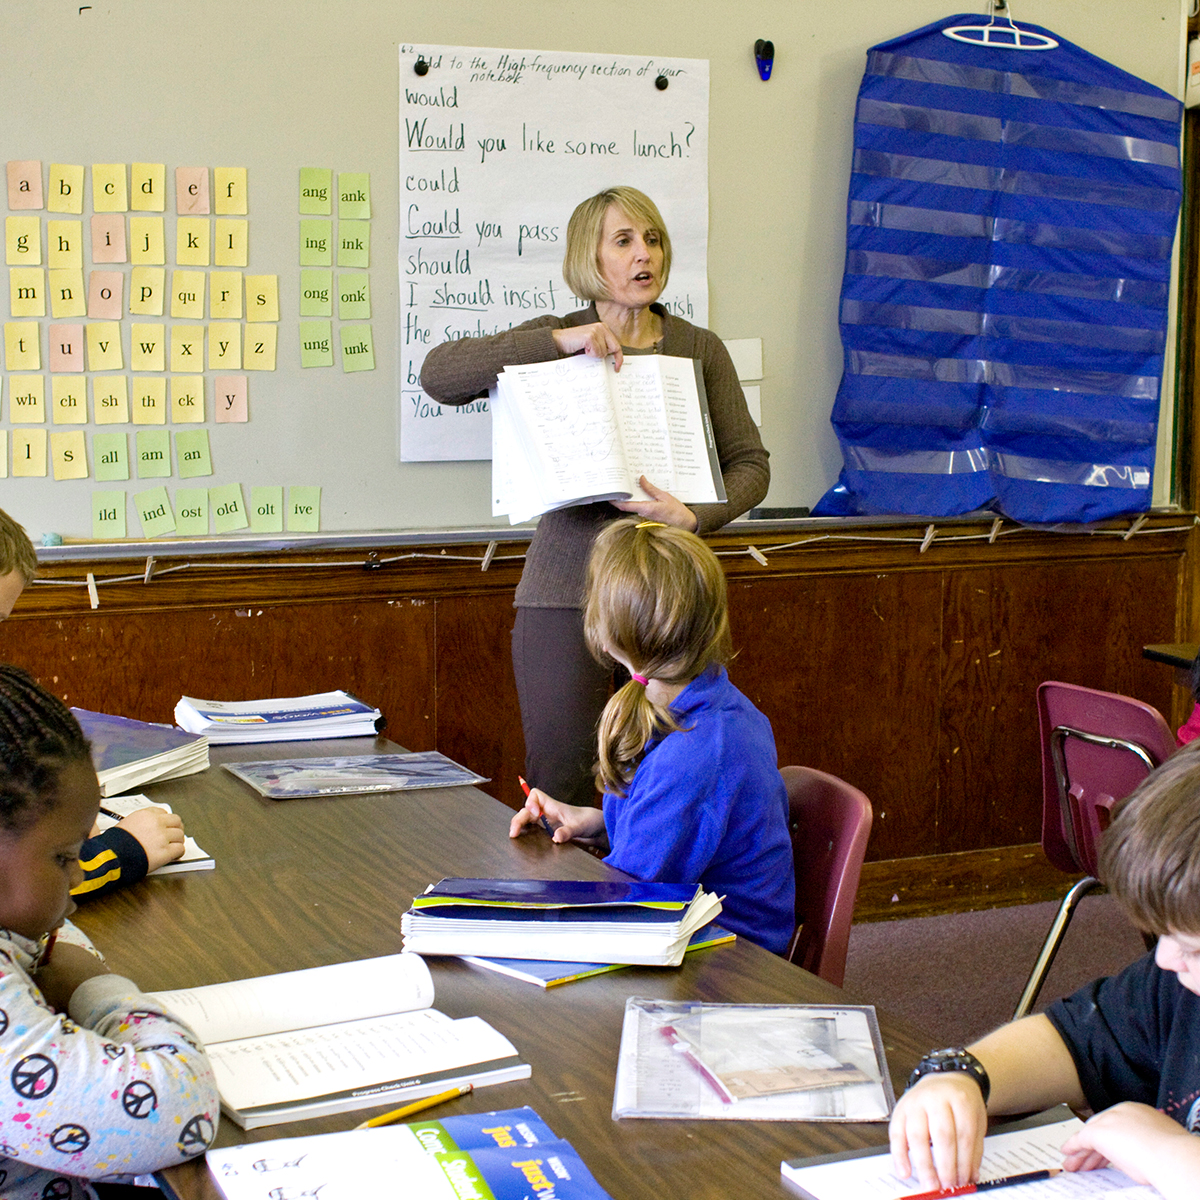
x,y
911,672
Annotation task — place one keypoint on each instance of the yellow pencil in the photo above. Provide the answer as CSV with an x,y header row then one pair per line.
x,y
415,1107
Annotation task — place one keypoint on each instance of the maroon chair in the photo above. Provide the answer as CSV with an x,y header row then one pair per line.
x,y
1096,748
829,821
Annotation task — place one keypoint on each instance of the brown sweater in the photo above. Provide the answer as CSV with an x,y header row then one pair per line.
x,y
556,565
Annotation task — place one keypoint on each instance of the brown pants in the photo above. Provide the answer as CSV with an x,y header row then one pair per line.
x,y
562,690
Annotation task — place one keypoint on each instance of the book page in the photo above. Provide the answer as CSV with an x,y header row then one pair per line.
x,y
642,411
566,410
349,991
872,1178
664,424
311,1064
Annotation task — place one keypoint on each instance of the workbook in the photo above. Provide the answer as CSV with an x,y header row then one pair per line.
x,y
114,809
287,719
610,921
751,1062
553,974
337,1038
508,1155
127,753
1032,1145
576,430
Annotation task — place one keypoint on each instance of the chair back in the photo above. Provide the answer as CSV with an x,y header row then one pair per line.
x,y
829,821
1096,748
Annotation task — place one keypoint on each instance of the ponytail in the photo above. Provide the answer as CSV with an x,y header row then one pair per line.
x,y
656,598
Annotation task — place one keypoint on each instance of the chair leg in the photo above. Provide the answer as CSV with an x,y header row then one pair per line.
x,y
1045,960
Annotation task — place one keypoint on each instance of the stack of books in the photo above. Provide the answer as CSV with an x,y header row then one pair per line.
x,y
644,924
128,753
290,719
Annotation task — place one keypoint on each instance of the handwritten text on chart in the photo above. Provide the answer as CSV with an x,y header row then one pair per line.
x,y
496,149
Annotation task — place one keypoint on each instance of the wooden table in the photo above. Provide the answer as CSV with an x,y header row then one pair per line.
x,y
302,883
1174,654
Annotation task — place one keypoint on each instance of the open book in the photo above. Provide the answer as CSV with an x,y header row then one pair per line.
x,y
338,1038
575,430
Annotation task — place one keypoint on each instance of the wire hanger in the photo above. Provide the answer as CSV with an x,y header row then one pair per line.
x,y
1007,36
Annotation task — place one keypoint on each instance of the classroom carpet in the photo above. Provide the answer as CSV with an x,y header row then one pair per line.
x,y
957,977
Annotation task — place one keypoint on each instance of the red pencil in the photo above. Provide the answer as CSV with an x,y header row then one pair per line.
x,y
986,1185
525,787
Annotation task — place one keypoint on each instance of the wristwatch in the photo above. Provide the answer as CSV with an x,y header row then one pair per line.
x,y
955,1058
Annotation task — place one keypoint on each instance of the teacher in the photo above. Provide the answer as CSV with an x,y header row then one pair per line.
x,y
618,257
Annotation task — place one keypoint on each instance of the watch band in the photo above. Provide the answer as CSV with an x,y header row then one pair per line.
x,y
954,1058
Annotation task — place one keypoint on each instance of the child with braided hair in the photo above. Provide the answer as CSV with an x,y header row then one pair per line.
x,y
688,766
96,1080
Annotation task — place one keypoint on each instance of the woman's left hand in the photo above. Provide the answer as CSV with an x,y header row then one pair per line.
x,y
661,506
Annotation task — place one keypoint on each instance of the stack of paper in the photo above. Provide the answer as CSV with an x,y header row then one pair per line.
x,y
291,719
509,1153
646,924
128,753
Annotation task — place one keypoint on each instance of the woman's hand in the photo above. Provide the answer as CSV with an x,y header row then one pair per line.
x,y
661,506
159,832
595,341
567,821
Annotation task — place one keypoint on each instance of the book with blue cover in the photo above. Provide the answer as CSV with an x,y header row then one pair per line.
x,y
507,1155
127,753
291,718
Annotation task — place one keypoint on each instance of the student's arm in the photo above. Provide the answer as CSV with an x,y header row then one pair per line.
x,y
1146,1144
938,1126
126,1074
126,852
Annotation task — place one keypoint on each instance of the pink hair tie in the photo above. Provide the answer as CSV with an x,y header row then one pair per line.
x,y
638,678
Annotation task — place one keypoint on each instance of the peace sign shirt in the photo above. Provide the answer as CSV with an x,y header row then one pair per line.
x,y
118,1088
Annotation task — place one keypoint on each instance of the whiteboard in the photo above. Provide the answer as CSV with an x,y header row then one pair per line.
x,y
272,88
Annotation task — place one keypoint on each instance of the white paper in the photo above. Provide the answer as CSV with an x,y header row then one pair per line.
x,y
344,1166
348,991
496,148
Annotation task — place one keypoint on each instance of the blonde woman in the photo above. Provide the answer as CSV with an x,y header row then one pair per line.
x,y
618,257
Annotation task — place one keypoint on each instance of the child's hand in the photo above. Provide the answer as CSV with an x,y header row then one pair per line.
x,y
68,967
566,821
1141,1141
937,1131
159,832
